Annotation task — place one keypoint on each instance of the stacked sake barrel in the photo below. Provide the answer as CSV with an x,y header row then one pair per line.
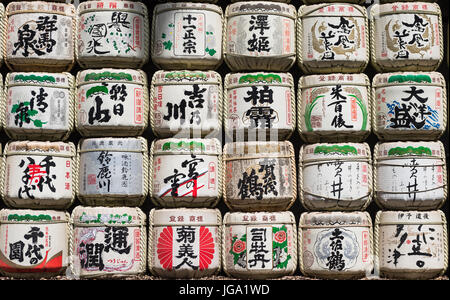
x,y
186,156
259,231
334,120
409,116
39,167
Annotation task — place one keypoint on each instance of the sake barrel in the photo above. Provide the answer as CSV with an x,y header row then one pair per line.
x,y
112,102
186,172
40,35
108,242
186,103
406,37
35,243
335,176
259,176
335,245
259,103
260,36
112,33
259,245
187,35
184,242
332,38
411,244
333,1
39,175
39,106
410,175
392,1
409,105
334,108
112,171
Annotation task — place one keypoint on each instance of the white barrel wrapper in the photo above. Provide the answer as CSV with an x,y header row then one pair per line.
x,y
411,244
259,102
332,38
406,36
184,242
46,232
409,105
112,102
108,241
39,106
186,103
335,245
40,34
187,36
335,176
259,35
39,175
259,245
186,172
334,108
410,175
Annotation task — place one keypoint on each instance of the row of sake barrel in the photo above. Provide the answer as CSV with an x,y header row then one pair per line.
x,y
194,243
326,108
248,176
253,35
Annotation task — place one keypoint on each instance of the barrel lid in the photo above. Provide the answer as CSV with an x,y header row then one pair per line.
x,y
335,219
309,81
159,8
402,78
335,151
114,75
249,218
187,146
26,7
436,217
186,77
258,78
113,5
252,148
39,148
107,216
185,216
332,10
404,8
393,150
115,144
28,216
58,80
263,7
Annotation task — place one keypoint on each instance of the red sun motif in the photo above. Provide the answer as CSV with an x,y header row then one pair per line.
x,y
164,248
206,248
280,236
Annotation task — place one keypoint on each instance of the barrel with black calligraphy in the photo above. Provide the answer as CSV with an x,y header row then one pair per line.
x,y
39,175
39,106
335,245
411,244
108,241
40,35
334,108
259,245
186,172
259,102
111,102
409,105
112,33
406,36
186,103
259,176
260,36
410,175
34,243
335,176
187,35
332,37
184,242
112,171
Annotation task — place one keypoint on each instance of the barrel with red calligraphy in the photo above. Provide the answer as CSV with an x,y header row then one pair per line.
x,y
411,244
406,36
40,35
114,33
259,245
34,243
335,245
184,242
108,242
39,175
